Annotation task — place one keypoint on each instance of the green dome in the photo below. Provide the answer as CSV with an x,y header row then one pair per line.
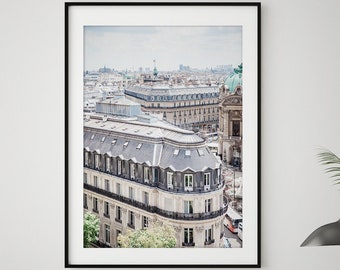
x,y
234,79
155,72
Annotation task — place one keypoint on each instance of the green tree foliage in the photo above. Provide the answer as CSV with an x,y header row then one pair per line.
x,y
91,229
155,236
332,162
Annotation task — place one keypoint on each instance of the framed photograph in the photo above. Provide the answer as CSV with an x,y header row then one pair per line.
x,y
162,145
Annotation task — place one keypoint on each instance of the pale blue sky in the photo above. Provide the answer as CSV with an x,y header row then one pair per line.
x,y
125,47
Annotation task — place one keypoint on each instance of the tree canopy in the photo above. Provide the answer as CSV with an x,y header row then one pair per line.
x,y
155,236
90,229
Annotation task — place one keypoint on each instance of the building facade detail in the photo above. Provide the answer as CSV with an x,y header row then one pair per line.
x,y
140,171
193,108
230,120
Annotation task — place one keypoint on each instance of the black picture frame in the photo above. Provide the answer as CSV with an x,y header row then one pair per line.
x,y
69,128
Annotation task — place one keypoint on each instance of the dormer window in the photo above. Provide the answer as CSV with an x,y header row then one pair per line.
x,y
188,182
170,180
125,144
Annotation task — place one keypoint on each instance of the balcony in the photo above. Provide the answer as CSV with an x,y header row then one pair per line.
x,y
149,183
156,210
191,244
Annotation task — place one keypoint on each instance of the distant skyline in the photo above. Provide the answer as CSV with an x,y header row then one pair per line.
x,y
132,47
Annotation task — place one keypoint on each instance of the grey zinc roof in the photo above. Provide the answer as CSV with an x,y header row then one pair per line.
x,y
172,90
156,130
129,152
155,152
181,162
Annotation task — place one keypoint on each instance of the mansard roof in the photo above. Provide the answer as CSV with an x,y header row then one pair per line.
x,y
153,145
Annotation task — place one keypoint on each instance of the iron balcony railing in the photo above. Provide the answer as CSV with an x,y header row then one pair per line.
x,y
158,185
191,244
155,209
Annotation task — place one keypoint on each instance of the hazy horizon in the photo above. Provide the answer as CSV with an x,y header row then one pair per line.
x,y
132,47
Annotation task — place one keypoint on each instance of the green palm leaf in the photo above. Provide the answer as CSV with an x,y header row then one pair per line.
x,y
332,162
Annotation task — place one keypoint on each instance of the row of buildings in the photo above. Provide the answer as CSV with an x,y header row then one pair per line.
x,y
139,168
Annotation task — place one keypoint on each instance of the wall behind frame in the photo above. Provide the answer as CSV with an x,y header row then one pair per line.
x,y
300,100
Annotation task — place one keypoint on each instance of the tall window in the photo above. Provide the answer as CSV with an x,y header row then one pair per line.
x,y
119,167
147,177
208,236
106,209
188,182
86,161
236,128
206,181
85,200
118,189
95,181
145,198
145,222
188,208
208,205
132,171
170,180
188,235
108,164
118,214
85,178
131,193
107,185
95,204
107,234
131,220
96,161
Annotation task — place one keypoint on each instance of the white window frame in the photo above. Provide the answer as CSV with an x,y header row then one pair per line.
x,y
146,197
131,193
170,180
188,207
208,234
147,175
118,189
108,164
96,161
133,171
86,158
107,184
188,231
119,167
190,185
95,181
207,205
207,181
